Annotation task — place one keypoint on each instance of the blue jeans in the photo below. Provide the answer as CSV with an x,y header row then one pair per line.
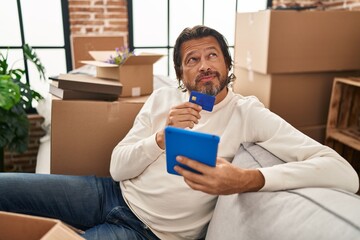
x,y
92,204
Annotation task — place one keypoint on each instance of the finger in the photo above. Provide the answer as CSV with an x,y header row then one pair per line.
x,y
201,177
195,180
181,122
192,105
187,124
183,119
188,107
199,182
198,186
184,125
180,119
198,166
188,174
184,112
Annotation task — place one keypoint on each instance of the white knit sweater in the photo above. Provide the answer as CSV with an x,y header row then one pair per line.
x,y
173,210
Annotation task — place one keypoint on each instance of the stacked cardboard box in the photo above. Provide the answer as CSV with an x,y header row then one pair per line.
x,y
84,132
135,73
288,59
85,87
132,78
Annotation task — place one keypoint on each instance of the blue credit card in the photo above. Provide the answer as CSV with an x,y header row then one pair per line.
x,y
204,100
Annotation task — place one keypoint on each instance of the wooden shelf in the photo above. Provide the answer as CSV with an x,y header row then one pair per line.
x,y
345,138
343,125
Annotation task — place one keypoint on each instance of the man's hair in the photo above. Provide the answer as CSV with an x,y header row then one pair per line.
x,y
196,33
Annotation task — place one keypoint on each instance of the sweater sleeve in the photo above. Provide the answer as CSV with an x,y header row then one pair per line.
x,y
309,163
138,149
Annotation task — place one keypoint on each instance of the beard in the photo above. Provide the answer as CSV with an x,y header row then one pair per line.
x,y
211,87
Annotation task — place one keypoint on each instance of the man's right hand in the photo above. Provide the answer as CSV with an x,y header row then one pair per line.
x,y
185,115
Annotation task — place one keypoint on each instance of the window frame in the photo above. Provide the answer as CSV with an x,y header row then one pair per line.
x,y
167,47
66,33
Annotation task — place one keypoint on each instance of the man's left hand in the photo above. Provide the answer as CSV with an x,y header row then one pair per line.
x,y
223,179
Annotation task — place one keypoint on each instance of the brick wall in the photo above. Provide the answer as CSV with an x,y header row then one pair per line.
x,y
26,162
107,17
328,4
98,17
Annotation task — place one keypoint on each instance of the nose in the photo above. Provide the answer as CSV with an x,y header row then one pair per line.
x,y
204,65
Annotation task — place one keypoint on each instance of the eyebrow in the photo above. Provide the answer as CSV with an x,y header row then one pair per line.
x,y
206,49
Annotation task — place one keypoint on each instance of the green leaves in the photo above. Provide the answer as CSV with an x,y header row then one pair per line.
x,y
4,64
14,126
15,98
14,123
10,92
31,55
4,68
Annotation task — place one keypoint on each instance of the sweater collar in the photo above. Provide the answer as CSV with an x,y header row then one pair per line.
x,y
225,101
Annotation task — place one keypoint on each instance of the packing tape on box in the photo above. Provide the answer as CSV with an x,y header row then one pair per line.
x,y
251,18
250,76
113,111
248,60
249,66
136,92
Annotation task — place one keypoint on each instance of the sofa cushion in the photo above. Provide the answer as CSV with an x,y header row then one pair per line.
x,y
309,213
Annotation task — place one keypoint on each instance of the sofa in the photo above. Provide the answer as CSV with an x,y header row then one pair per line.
x,y
303,214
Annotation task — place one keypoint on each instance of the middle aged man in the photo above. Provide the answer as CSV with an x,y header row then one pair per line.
x,y
148,202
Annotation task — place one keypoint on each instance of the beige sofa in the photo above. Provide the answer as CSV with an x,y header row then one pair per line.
x,y
303,214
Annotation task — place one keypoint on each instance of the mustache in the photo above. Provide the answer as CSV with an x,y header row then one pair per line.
x,y
207,73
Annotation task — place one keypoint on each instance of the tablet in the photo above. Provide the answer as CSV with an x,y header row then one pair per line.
x,y
198,146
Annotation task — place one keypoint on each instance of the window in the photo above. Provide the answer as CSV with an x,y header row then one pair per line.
x,y
156,31
43,24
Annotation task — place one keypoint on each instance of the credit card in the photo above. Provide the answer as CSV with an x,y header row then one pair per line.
x,y
204,100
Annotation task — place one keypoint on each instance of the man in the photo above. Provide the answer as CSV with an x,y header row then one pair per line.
x,y
151,203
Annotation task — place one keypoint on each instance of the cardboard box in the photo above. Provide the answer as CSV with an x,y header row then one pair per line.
x,y
84,133
135,74
69,94
273,41
86,83
81,45
302,99
19,226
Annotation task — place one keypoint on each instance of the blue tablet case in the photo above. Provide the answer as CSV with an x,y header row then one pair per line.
x,y
198,146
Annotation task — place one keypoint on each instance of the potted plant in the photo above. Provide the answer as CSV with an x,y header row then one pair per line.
x,y
16,99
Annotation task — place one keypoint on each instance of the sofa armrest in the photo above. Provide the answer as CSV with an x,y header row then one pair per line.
x,y
309,213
